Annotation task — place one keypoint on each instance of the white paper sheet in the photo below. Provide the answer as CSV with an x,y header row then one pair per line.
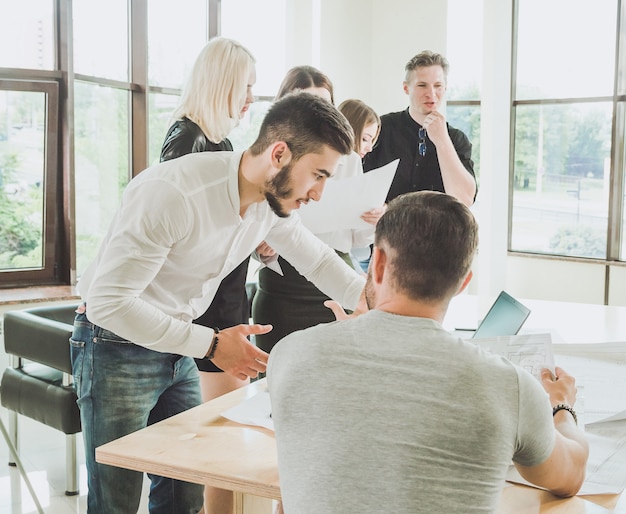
x,y
345,200
529,351
256,411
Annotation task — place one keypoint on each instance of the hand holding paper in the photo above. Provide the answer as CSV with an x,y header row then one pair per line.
x,y
346,200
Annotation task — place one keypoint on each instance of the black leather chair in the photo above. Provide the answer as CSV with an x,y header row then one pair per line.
x,y
39,382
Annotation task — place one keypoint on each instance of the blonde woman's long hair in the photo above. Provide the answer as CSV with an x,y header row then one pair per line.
x,y
216,90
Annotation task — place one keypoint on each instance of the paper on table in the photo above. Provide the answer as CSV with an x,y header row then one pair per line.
x,y
345,200
256,410
600,373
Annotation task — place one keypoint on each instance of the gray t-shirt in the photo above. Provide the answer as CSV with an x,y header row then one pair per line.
x,y
393,414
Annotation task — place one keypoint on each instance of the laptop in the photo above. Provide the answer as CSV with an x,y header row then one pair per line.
x,y
505,318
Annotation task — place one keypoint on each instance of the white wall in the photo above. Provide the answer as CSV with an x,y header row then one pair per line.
x,y
617,292
365,44
552,279
494,148
402,29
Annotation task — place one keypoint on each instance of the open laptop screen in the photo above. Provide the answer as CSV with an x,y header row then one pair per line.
x,y
505,317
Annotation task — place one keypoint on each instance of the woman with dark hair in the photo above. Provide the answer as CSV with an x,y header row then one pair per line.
x,y
307,78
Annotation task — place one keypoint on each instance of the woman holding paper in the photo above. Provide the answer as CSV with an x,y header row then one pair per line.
x,y
288,301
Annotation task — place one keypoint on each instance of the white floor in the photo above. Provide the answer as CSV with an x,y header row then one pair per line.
x,y
42,451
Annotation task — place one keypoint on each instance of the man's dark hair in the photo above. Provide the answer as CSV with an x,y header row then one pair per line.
x,y
306,123
430,240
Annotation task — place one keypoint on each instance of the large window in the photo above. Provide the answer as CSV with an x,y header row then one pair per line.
x,y
86,96
66,157
30,214
101,145
564,113
270,63
101,113
87,91
26,35
175,37
28,180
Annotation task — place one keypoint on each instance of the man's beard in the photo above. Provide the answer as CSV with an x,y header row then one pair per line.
x,y
370,294
279,187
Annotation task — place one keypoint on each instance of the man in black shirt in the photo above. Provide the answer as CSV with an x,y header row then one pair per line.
x,y
432,154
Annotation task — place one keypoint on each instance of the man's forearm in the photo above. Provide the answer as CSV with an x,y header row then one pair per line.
x,y
577,451
457,181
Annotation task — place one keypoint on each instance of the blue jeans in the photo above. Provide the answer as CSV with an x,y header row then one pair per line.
x,y
121,388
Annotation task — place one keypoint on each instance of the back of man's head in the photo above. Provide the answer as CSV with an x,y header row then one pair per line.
x,y
430,240
306,123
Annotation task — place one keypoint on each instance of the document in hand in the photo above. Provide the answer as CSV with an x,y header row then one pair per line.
x,y
598,369
529,351
345,200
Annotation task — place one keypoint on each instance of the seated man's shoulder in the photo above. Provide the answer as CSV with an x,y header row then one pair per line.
x,y
319,340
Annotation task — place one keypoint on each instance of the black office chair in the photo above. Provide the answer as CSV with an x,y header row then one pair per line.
x,y
39,382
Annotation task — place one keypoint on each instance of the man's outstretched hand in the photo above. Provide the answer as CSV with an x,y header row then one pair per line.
x,y
236,355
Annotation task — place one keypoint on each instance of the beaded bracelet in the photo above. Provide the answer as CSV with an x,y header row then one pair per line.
x,y
568,408
214,347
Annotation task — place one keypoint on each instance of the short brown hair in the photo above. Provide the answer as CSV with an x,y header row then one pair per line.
x,y
306,123
430,240
424,59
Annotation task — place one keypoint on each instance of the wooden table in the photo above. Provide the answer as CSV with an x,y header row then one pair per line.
x,y
201,446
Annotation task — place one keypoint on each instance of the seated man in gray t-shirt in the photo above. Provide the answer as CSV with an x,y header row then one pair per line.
x,y
389,412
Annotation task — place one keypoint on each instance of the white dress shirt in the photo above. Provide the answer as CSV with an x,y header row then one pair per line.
x,y
176,234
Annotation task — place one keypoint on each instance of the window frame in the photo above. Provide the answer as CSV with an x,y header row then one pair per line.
x,y
617,180
53,233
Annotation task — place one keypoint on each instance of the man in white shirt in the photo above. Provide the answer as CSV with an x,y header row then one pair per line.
x,y
182,226
389,412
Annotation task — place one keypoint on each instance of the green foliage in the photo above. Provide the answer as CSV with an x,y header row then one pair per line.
x,y
568,142
467,119
580,241
20,231
20,218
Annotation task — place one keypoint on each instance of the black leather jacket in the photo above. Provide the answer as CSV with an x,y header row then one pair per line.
x,y
184,137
